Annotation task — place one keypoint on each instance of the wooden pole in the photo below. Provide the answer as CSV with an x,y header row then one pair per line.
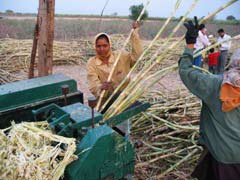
x,y
34,50
46,36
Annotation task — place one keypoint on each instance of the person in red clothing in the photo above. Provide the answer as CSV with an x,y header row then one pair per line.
x,y
213,61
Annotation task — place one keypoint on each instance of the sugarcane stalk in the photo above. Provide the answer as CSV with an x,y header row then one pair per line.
x,y
174,125
140,129
164,156
140,119
169,134
177,164
119,55
152,147
159,152
166,143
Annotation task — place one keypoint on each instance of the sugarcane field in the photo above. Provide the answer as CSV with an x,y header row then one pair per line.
x,y
113,90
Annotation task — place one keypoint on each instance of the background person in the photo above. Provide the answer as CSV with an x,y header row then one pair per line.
x,y
213,61
223,48
201,43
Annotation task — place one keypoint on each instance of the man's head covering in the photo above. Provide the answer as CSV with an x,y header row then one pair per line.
x,y
110,44
232,76
220,31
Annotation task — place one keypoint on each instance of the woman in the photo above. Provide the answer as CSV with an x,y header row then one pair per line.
x,y
100,66
220,114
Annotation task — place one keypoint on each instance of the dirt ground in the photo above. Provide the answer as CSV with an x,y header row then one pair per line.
x,y
77,72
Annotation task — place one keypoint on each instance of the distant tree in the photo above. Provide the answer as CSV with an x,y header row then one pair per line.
x,y
9,11
231,18
211,19
135,11
114,14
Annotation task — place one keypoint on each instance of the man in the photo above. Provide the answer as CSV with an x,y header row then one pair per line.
x,y
220,118
223,48
201,43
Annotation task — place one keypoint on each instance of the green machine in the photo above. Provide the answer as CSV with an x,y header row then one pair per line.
x,y
18,99
103,150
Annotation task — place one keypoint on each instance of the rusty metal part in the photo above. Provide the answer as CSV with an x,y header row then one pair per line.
x,y
92,102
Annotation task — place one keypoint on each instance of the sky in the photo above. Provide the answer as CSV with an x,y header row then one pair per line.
x,y
157,8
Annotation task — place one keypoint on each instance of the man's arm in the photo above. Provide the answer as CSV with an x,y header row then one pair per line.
x,y
200,84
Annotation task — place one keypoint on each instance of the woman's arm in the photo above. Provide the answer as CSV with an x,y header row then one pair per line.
x,y
94,83
137,47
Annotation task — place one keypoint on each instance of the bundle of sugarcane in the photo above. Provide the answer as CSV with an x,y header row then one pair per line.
x,y
138,85
169,133
31,151
148,65
141,84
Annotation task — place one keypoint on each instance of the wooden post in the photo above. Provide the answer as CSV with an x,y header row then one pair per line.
x,y
46,36
34,50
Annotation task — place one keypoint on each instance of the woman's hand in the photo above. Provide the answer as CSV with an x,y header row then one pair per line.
x,y
135,25
106,86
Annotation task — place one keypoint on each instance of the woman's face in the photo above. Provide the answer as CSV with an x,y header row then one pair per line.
x,y
102,47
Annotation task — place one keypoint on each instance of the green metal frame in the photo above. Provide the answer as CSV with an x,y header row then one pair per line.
x,y
81,115
103,154
25,92
127,114
18,99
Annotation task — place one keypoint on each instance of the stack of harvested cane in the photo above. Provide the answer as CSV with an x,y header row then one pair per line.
x,y
169,133
31,151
